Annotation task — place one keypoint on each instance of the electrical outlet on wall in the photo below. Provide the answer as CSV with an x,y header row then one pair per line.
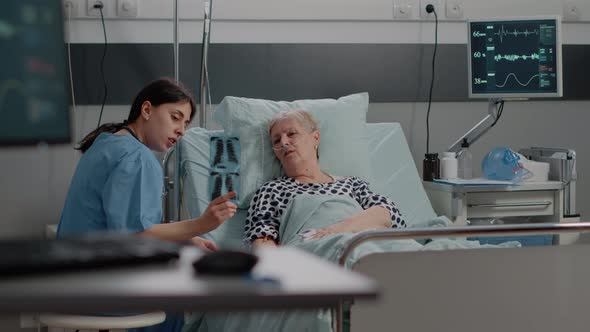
x,y
571,11
455,9
403,9
127,8
70,8
438,7
92,11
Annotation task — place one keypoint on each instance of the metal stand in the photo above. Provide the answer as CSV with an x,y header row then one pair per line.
x,y
204,57
479,129
168,185
168,215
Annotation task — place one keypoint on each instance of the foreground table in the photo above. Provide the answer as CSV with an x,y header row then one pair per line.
x,y
285,278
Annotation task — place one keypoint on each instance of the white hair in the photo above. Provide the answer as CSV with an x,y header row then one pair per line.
x,y
302,116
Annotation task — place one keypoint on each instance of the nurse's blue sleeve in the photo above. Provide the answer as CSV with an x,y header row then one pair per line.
x,y
132,196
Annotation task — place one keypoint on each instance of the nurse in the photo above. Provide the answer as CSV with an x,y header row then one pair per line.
x,y
118,183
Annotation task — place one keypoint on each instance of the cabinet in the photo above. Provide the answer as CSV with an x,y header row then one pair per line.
x,y
539,201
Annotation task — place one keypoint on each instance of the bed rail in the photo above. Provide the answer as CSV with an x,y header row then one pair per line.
x,y
438,232
445,232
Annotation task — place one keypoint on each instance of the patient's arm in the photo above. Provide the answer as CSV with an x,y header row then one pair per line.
x,y
262,219
374,217
368,200
371,218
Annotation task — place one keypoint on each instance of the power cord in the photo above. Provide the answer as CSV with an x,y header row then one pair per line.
x,y
81,121
70,58
99,6
430,9
500,110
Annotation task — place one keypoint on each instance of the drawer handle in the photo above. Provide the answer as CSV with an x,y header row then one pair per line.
x,y
524,204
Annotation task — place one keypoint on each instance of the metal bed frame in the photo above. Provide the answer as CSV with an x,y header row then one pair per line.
x,y
446,232
173,213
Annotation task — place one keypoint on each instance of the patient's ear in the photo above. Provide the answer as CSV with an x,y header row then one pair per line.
x,y
316,136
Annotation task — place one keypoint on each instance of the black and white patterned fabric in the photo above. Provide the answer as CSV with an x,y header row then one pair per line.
x,y
272,199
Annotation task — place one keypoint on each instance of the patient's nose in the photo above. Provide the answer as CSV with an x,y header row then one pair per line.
x,y
285,140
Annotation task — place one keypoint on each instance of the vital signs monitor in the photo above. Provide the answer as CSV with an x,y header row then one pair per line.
x,y
515,58
34,92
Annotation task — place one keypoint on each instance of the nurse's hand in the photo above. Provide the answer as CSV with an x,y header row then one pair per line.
x,y
203,244
218,211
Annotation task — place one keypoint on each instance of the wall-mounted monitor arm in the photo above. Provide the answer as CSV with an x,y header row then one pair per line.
x,y
480,128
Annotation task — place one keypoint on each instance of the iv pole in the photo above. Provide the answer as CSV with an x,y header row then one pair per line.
x,y
167,216
204,58
203,98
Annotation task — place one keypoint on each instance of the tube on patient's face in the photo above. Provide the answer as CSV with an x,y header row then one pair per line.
x,y
283,148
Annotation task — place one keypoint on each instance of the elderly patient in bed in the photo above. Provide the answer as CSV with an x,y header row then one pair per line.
x,y
295,139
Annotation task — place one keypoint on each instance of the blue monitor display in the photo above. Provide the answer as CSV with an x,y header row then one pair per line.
x,y
34,94
516,58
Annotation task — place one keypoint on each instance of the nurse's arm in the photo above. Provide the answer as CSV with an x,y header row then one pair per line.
x,y
218,211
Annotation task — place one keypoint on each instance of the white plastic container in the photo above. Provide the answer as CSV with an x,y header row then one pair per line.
x,y
448,166
465,160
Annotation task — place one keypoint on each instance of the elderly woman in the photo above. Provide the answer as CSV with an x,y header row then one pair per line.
x,y
295,139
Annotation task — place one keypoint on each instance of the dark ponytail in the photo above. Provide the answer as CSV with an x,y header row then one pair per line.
x,y
162,91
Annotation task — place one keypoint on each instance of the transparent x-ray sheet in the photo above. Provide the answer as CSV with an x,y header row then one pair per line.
x,y
224,161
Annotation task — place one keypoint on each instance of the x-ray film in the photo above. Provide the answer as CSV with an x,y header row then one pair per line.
x,y
224,165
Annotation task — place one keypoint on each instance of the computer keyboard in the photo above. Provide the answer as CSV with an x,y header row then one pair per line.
x,y
37,256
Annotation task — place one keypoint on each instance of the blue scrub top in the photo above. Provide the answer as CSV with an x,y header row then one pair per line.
x,y
117,187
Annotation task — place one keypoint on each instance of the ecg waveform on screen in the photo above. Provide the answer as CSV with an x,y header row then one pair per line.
x,y
515,57
502,32
517,80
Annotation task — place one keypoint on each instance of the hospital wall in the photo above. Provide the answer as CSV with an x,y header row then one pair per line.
x,y
281,49
301,49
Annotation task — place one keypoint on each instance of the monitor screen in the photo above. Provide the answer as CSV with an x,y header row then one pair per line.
x,y
34,92
515,58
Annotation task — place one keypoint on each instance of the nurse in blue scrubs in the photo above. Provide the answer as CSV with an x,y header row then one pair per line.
x,y
118,183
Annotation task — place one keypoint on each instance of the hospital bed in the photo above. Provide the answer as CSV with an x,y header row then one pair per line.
x,y
515,289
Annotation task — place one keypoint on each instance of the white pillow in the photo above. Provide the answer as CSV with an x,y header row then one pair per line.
x,y
343,146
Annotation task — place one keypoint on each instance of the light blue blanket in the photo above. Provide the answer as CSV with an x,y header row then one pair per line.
x,y
314,212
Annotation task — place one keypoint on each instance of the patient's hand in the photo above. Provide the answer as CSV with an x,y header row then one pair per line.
x,y
371,218
264,241
319,233
204,244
